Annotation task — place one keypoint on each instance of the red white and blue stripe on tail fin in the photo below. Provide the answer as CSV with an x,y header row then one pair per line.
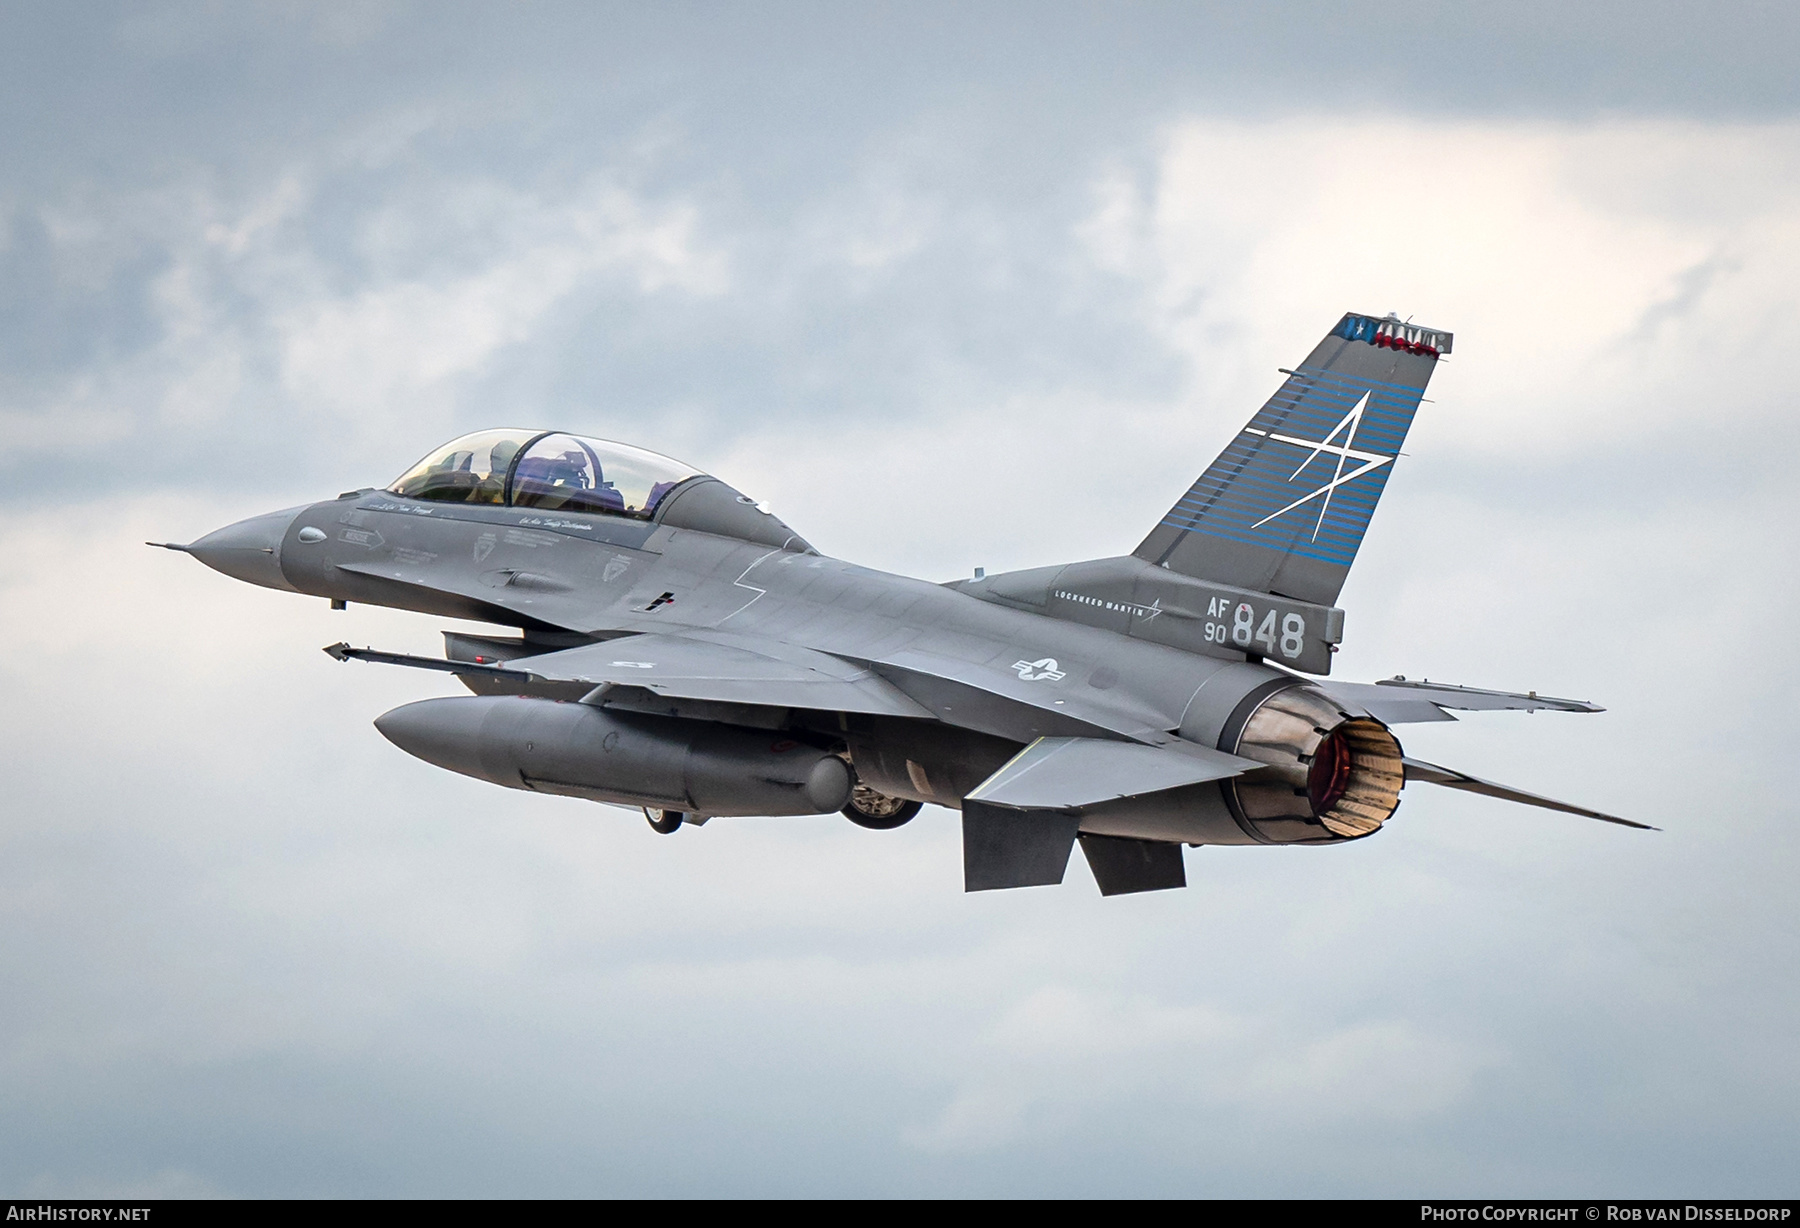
x,y
1284,508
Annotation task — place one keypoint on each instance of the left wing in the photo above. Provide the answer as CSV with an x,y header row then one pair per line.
x,y
680,667
728,668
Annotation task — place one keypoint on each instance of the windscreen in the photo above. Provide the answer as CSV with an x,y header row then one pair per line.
x,y
468,470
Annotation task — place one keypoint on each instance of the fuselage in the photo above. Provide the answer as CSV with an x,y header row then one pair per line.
x,y
582,574
989,678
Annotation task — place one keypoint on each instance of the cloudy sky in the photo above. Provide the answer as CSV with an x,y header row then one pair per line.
x,y
951,286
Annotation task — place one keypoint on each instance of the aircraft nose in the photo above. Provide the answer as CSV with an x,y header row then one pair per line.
x,y
249,550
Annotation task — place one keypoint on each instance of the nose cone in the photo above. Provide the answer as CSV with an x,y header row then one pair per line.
x,y
442,732
249,550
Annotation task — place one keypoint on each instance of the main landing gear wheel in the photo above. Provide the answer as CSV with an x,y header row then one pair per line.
x,y
878,811
663,822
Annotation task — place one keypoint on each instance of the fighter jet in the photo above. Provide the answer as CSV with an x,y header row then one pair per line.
x,y
677,649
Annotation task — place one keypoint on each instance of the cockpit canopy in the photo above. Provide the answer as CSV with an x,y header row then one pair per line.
x,y
542,469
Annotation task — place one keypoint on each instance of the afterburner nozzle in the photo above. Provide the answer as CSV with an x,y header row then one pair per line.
x,y
1327,769
249,550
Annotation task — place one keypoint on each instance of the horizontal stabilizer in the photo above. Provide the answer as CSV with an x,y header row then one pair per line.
x,y
1122,866
1066,773
1432,774
1396,701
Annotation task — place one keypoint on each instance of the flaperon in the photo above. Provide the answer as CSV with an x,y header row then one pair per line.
x,y
682,650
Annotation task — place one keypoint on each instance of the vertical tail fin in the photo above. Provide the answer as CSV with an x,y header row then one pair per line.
x,y
1284,507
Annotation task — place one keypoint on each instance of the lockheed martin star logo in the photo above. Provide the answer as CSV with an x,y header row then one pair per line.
x,y
1370,462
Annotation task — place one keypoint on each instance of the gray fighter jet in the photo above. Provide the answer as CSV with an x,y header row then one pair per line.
x,y
681,650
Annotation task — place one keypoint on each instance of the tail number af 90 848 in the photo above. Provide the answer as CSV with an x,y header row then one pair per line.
x,y
1251,634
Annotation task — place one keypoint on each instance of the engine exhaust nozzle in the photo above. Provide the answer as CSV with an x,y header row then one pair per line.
x,y
1336,774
